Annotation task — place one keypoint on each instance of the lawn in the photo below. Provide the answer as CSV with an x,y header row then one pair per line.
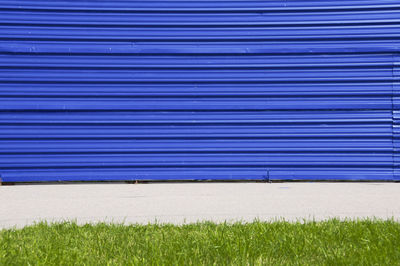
x,y
331,242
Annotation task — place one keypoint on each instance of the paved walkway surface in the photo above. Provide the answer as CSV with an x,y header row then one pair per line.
x,y
190,202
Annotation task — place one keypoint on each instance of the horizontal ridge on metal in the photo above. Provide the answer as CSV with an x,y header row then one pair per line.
x,y
199,90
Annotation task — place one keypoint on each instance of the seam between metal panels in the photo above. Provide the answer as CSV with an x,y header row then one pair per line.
x,y
393,116
395,110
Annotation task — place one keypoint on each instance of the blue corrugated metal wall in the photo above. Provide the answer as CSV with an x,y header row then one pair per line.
x,y
159,90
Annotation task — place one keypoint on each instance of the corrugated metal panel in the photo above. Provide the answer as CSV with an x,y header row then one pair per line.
x,y
115,90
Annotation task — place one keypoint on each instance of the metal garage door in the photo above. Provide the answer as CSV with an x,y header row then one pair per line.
x,y
222,90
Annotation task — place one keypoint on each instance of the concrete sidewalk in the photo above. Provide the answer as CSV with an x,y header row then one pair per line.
x,y
191,202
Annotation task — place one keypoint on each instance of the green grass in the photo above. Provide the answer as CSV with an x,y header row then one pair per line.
x,y
333,242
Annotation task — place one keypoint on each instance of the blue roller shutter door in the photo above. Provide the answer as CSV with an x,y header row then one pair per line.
x,y
197,90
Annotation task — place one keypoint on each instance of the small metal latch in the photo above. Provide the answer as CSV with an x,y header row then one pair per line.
x,y
267,179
